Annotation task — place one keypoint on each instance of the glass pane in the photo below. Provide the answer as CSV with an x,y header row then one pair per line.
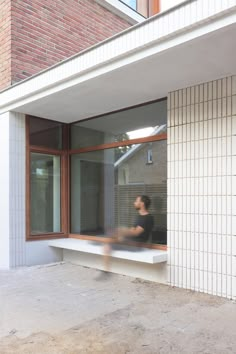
x,y
105,184
46,133
130,3
45,194
133,123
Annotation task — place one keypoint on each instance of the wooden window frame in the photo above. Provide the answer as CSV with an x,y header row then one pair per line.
x,y
148,139
65,154
154,7
64,168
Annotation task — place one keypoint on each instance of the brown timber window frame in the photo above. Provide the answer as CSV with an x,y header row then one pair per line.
x,y
64,182
65,155
153,7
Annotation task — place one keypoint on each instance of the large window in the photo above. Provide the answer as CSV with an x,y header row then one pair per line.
x,y
46,179
83,178
115,158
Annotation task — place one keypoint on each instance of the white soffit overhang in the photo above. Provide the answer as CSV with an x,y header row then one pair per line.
x,y
189,44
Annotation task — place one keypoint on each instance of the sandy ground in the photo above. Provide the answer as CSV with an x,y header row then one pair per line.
x,y
67,309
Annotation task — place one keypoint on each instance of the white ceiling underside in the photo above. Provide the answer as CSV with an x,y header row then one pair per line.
x,y
210,55
201,60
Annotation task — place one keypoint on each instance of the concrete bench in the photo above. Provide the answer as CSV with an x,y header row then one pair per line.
x,y
143,255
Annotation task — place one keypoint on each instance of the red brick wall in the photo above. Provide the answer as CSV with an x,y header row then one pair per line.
x,y
45,32
5,43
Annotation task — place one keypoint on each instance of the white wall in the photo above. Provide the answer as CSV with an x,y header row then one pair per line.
x,y
12,190
152,272
14,250
17,189
167,4
4,191
38,252
202,187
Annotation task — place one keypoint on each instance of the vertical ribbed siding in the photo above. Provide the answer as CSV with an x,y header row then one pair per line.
x,y
17,189
4,191
202,187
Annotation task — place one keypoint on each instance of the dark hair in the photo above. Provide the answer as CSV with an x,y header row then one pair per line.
x,y
146,200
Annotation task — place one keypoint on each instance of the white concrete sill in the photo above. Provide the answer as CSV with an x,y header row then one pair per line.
x,y
144,255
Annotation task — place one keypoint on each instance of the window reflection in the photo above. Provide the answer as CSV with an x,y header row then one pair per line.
x,y
105,183
45,133
132,123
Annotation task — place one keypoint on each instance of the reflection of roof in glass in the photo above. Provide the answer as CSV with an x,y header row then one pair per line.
x,y
139,133
149,115
136,147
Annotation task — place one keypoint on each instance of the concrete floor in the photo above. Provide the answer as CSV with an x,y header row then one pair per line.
x,y
65,309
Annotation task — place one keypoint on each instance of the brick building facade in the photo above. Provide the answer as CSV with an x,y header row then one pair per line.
x,y
175,69
38,34
5,40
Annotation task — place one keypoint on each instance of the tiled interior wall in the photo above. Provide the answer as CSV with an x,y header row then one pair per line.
x,y
202,187
17,189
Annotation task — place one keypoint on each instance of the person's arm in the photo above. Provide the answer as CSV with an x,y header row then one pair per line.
x,y
129,231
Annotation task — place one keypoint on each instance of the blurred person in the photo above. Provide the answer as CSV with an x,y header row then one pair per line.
x,y
139,232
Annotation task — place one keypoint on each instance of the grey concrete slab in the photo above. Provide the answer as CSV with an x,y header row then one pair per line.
x,y
65,308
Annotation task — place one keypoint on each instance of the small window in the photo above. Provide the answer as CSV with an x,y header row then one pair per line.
x,y
45,193
146,8
45,133
131,3
47,159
